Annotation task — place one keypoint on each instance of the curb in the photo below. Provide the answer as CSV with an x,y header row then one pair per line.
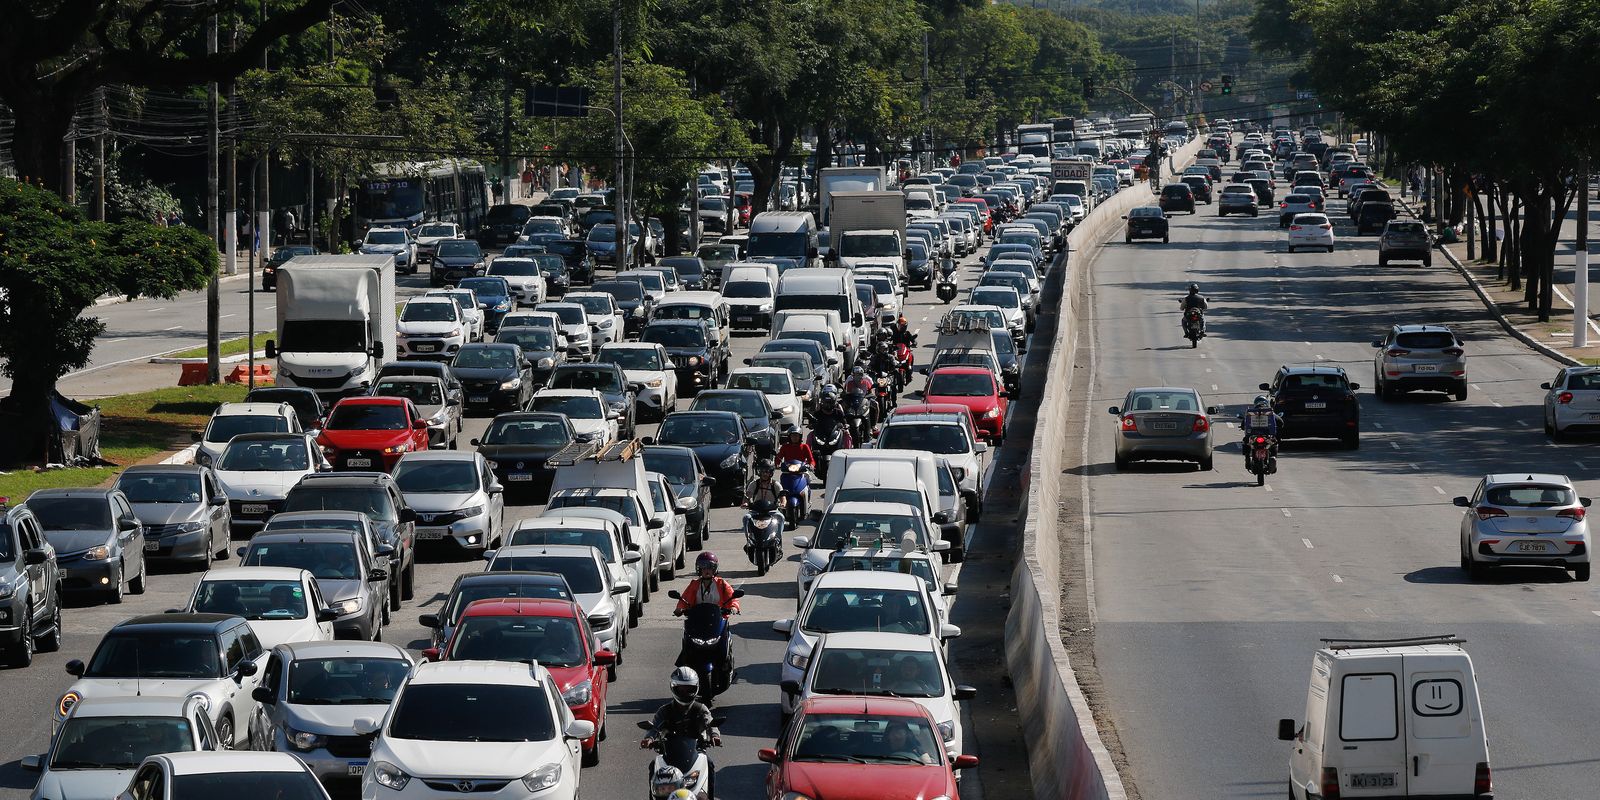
x,y
184,456
111,300
261,355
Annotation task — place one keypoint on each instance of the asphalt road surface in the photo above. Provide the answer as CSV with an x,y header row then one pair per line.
x,y
1212,594
751,705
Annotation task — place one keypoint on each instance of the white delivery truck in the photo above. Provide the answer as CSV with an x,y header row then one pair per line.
x,y
869,227
845,179
336,322
1387,719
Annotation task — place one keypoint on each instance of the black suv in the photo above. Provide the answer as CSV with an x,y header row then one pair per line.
x,y
1177,197
376,495
503,223
695,352
30,608
1316,402
1200,185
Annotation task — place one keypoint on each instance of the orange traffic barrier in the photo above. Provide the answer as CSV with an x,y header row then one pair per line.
x,y
193,374
241,374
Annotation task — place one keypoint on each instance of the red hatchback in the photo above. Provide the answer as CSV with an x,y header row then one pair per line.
x,y
367,433
983,211
975,388
554,633
862,748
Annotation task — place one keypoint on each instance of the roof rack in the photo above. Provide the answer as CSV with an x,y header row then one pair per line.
x,y
907,542
1358,644
962,322
579,451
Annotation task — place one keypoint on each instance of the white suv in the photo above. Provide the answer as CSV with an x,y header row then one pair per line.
x,y
431,327
497,730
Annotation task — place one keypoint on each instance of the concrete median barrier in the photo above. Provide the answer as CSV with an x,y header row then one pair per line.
x,y
1066,757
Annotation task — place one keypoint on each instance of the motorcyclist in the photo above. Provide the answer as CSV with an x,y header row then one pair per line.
x,y
828,411
1193,300
795,449
1260,420
707,587
858,380
685,715
902,332
883,360
761,494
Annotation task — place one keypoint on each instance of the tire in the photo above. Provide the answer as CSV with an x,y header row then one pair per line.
x,y
1122,464
114,594
1383,261
1206,464
1549,430
1261,478
408,582
1580,572
136,584
1330,248
1460,393
222,554
1165,239
225,733
1476,570
1127,240
1427,262
1291,248
1352,441
51,642
591,757
655,579
21,653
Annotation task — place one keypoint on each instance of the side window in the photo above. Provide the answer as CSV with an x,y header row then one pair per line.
x,y
1561,380
1477,492
29,532
271,673
232,651
248,642
147,785
315,598
1368,711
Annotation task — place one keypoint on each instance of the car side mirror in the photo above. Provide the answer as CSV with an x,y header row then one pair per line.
x,y
1544,386
241,551
488,555
376,351
623,589
802,542
949,590
195,436
384,551
1585,501
377,574
1288,731
408,515
1461,502
783,626
36,556
32,763
419,425
264,695
248,668
1265,387
604,658
948,631
1355,387
790,687
631,557
74,668
964,692
964,761
1377,342
941,518
272,348
767,755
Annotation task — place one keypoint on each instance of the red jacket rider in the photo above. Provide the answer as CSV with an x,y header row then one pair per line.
x,y
708,587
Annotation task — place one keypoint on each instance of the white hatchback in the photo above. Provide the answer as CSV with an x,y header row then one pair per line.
x,y
282,604
888,665
1310,230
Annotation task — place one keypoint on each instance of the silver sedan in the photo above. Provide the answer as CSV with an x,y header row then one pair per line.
x,y
1163,422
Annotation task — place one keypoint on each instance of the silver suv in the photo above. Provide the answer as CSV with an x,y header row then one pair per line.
x,y
1405,239
1419,357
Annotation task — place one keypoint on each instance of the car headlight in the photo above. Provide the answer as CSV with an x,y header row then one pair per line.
x,y
654,383
351,606
798,660
471,511
604,624
97,553
201,699
947,729
546,363
543,777
590,436
514,383
765,308
397,449
66,703
191,527
809,570
454,332
7,590
502,307
303,741
730,462
389,775
579,693
992,413
785,409
608,322
204,459
695,361
637,311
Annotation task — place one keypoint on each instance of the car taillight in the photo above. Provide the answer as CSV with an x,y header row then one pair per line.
x,y
1571,513
1397,352
1283,205
1294,227
1483,781
1201,425
1485,512
1128,424
1564,398
1327,227
1330,783
1453,351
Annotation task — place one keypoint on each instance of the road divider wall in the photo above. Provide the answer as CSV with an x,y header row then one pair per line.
x,y
1066,758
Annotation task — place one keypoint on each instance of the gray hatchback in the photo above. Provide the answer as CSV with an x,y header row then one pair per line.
x,y
1415,357
99,543
1405,239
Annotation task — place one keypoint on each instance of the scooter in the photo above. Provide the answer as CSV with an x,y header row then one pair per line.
x,y
1194,326
706,647
796,481
858,414
763,536
905,358
823,440
681,763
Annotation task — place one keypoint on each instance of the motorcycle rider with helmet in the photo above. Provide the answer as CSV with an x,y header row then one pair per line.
x,y
1260,420
684,715
828,408
902,332
1194,300
795,449
883,360
858,380
707,587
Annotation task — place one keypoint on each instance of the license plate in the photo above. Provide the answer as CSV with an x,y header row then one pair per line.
x,y
355,462
478,398
1316,405
1425,368
1164,426
519,476
427,348
430,533
1532,547
744,319
151,547
355,770
261,508
1372,780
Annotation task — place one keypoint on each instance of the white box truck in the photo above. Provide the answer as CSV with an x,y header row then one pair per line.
x,y
845,179
869,228
336,322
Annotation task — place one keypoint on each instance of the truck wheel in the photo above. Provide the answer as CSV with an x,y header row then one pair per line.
x,y
51,642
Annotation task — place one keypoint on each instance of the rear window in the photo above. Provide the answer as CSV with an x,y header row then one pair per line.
x,y
1306,383
1297,198
1431,340
1409,228
1531,496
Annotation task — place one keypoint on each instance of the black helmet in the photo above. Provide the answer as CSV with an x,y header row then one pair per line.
x,y
1194,288
1261,400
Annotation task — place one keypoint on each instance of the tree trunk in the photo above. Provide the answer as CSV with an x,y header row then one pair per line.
x,y
37,141
768,169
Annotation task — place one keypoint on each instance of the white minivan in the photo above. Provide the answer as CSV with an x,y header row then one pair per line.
x,y
1390,718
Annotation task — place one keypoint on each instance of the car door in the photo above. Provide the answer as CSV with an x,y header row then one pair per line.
x,y
317,603
41,577
236,703
496,495
130,532
148,784
219,518
264,720
1443,726
1371,746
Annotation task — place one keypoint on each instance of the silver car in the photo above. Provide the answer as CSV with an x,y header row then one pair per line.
x,y
1572,401
455,495
1162,422
1415,357
1237,198
433,401
184,510
1523,518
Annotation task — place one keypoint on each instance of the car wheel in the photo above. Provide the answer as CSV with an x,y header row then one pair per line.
x,y
1461,392
225,733
1330,248
383,614
1207,463
1580,572
1127,240
51,642
1549,430
408,582
22,652
1291,248
114,594
1351,441
591,757
1164,239
1383,260
1427,262
655,580
1122,463
136,585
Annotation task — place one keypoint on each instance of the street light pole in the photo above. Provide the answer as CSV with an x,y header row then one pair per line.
x,y
1580,275
624,249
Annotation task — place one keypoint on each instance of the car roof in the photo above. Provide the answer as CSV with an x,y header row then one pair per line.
x,y
560,518
1496,478
183,621
253,409
185,469
470,456
879,640
1311,369
347,479
867,579
79,492
521,607
963,369
1422,329
372,400
329,514
255,574
567,393
215,762
345,648
302,535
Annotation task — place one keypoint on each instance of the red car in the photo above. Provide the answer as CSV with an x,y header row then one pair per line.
x,y
553,632
368,433
862,748
912,409
983,211
744,203
975,388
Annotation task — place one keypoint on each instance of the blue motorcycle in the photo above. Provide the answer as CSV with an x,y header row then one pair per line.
x,y
795,478
707,648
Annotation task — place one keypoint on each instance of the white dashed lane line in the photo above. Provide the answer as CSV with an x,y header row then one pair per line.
x,y
1286,512
1337,579
1308,544
1394,445
1437,489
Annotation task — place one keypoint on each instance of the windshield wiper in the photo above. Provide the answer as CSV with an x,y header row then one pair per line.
x,y
831,757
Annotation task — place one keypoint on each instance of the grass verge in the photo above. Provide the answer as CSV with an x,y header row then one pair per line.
x,y
228,347
133,427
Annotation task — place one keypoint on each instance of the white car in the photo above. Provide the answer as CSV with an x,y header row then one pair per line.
x,y
591,419
1008,301
392,242
104,738
170,776
430,234
524,277
601,528
603,598
282,604
471,309
430,327
1572,401
455,496
499,730
887,664
1310,230
945,435
856,601
675,533
232,419
536,319
574,320
778,385
647,366
860,523
605,317
258,470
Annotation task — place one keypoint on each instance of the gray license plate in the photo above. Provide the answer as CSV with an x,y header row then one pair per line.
x,y
356,769
427,348
261,508
1316,405
1532,547
1372,780
151,547
478,398
352,462
430,533
519,476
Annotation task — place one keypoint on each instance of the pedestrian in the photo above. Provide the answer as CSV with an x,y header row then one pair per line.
x,y
1416,183
495,188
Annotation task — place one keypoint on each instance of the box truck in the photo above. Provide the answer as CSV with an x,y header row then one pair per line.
x,y
845,179
336,322
869,228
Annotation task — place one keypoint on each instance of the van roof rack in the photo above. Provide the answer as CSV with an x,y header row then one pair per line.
x,y
1358,644
573,453
962,322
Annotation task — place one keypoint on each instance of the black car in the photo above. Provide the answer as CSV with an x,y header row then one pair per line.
x,y
1373,216
493,375
475,586
456,259
760,419
825,364
1265,195
599,215
502,224
1006,351
1147,222
376,495
517,445
1316,402
538,349
307,405
1177,197
30,615
691,272
631,300
436,369
574,253
693,352
279,257
719,440
557,276
687,479
495,298
606,378
1200,186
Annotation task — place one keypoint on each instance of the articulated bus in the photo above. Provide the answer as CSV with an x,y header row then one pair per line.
x,y
405,194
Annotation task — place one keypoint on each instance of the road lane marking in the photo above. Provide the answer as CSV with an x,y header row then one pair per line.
x,y
1202,355
154,310
1321,357
1437,489
1286,512
1579,463
1394,445
1497,404
1378,425
1307,344
173,328
225,316
1308,544
1370,612
114,341
1415,467
1522,422
1208,369
1476,388
1337,579
1213,387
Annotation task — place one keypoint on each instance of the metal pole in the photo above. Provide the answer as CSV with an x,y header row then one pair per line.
x,y
250,285
1580,275
624,252
213,224
927,103
100,158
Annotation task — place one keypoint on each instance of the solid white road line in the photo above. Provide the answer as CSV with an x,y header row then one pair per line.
x,y
1496,404
1579,463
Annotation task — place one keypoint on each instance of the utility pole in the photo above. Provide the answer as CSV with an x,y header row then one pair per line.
x,y
1580,275
1199,71
260,207
624,247
927,102
100,156
213,224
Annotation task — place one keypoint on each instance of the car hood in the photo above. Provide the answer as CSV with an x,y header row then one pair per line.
x,y
154,687
583,426
364,439
431,503
337,589
252,485
643,375
328,720
506,760
710,455
977,404
69,543
427,411
533,455
499,375
888,781
383,249
429,241
427,328
83,784
456,261
166,513
687,351
273,632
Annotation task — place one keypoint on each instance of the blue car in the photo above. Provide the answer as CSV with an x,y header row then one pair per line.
x,y
494,296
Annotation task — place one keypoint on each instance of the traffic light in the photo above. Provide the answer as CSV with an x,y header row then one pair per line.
x,y
1088,88
1227,84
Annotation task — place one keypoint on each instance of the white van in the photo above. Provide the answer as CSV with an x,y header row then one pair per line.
x,y
1387,719
922,462
827,289
740,270
693,305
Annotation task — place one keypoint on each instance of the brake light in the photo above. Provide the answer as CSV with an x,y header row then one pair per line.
x,y
1330,784
1453,351
1294,227
1128,424
1327,227
1564,398
1486,512
1571,513
1483,781
1261,440
1397,352
1201,425
1283,205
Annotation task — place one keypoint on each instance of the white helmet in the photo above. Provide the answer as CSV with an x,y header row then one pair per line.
x,y
685,685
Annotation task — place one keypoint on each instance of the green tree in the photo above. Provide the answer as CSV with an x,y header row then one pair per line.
x,y
54,264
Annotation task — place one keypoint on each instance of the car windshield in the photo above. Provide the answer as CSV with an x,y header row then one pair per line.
x,y
467,593
674,335
768,382
368,417
582,574
531,340
1426,340
640,358
1163,401
869,245
436,230
683,311
286,522
345,681
325,560
513,267
623,291
118,742
685,267
551,641
470,712
599,379
848,610
160,487
675,465
267,599
373,501
1407,227
1311,382
523,430
422,393
589,537
597,304
71,513
876,494
485,358
622,504
542,225
856,671
747,290
799,367
387,236
603,233
574,406
226,426
155,655
748,406
699,429
486,287
718,252
939,439
1531,495
919,567
713,204
569,313
960,384
259,455
460,247
1145,212
429,476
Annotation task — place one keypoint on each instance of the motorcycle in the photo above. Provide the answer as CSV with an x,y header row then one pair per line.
x,y
905,358
826,437
946,290
796,481
681,763
858,414
885,385
1260,456
706,646
1194,326
763,535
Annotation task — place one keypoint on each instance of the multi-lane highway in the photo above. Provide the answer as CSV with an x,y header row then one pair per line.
x,y
1210,594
